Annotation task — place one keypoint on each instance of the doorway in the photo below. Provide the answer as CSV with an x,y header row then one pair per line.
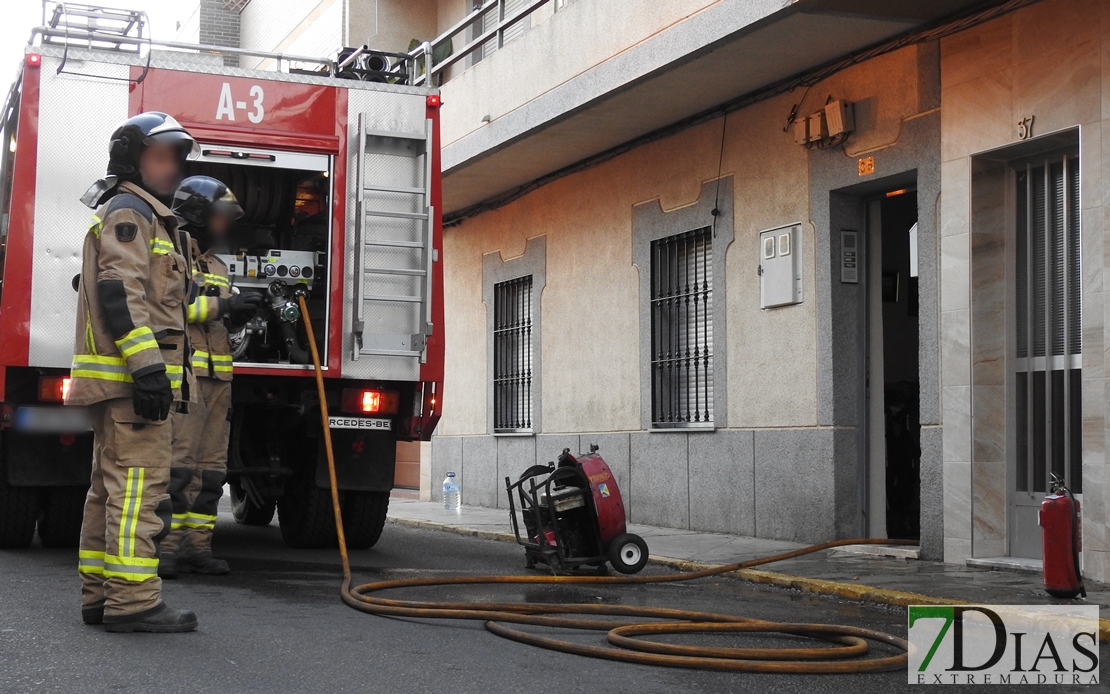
x,y
1047,353
893,386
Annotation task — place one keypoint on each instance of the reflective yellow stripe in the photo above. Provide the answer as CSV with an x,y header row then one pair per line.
x,y
136,341
161,247
221,363
178,520
94,227
132,502
199,520
90,339
209,278
104,368
200,359
136,569
90,561
197,311
100,367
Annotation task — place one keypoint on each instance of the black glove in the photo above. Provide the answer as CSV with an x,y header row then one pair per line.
x,y
240,308
152,396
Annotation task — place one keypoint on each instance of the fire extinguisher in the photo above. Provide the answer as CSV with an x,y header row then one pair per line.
x,y
1059,516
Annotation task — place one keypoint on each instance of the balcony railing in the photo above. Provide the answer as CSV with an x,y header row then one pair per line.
x,y
504,29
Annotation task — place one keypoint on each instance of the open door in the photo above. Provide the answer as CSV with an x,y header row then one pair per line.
x,y
893,386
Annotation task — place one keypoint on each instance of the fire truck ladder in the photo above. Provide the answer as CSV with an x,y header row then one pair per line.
x,y
70,24
393,242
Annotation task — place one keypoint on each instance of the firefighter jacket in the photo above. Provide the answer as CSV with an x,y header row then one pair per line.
x,y
131,300
207,332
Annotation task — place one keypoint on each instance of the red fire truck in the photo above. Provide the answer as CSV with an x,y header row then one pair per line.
x,y
336,164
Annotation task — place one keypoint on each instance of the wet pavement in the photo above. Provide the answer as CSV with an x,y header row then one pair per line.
x,y
277,625
953,581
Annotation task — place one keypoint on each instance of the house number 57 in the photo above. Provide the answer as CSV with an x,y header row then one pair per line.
x,y
1025,128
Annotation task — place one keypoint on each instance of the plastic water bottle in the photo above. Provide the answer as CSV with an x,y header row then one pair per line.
x,y
452,491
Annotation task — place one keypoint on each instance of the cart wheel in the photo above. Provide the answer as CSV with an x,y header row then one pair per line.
x,y
628,553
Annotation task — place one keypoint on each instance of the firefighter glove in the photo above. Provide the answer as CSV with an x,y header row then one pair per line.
x,y
152,396
240,308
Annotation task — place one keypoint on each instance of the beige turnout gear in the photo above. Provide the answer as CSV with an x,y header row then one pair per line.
x,y
130,322
200,438
126,510
207,333
199,468
130,302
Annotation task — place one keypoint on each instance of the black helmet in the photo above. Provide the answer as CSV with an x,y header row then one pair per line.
x,y
126,146
137,132
198,197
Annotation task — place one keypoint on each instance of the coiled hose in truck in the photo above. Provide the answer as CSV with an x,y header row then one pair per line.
x,y
846,653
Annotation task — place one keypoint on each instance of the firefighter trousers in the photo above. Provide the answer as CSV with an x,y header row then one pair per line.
x,y
127,510
199,468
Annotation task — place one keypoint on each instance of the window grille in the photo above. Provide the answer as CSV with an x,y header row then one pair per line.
x,y
682,330
1049,325
512,355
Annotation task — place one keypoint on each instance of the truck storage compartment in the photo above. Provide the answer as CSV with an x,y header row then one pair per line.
x,y
280,248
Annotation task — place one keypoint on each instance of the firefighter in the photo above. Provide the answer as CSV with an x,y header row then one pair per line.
x,y
207,210
129,369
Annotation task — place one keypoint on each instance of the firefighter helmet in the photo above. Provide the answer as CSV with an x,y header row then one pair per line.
x,y
198,197
137,132
126,146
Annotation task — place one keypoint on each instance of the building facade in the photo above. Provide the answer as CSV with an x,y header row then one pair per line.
x,y
802,270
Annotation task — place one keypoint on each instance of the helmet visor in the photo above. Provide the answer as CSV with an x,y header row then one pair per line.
x,y
229,209
228,206
180,138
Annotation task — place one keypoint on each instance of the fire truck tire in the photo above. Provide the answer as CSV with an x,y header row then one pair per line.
x,y
19,509
62,511
628,553
247,513
305,515
364,517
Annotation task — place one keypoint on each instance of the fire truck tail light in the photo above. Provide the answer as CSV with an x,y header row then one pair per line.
x,y
33,60
433,101
53,388
367,401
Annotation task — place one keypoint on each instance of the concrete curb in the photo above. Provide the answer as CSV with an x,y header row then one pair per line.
x,y
818,586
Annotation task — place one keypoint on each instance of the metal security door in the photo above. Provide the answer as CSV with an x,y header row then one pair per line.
x,y
392,298
1047,412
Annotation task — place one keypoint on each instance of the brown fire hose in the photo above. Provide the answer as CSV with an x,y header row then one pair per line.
x,y
850,642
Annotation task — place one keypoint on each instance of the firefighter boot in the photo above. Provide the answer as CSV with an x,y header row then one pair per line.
x,y
93,614
159,620
203,563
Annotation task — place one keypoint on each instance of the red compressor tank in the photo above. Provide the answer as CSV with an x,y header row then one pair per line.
x,y
1061,544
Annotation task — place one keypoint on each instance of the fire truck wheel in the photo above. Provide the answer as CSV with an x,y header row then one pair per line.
x,y
364,517
628,553
19,509
305,515
63,508
247,513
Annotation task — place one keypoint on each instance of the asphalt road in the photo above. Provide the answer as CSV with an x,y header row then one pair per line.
x,y
277,625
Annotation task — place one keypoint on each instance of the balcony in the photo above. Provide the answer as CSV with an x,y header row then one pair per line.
x,y
569,84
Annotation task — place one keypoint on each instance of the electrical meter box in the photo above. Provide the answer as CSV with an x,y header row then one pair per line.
x,y
780,266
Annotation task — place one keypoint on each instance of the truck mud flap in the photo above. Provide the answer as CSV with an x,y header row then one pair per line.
x,y
47,460
363,461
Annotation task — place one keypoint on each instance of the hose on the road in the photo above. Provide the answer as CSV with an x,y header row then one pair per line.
x,y
850,643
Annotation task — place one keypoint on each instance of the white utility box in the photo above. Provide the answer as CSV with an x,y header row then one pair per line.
x,y
780,266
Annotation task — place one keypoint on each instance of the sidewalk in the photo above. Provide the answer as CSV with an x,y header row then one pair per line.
x,y
844,573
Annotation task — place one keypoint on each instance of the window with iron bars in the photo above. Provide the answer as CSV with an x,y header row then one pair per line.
x,y
682,330
512,355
